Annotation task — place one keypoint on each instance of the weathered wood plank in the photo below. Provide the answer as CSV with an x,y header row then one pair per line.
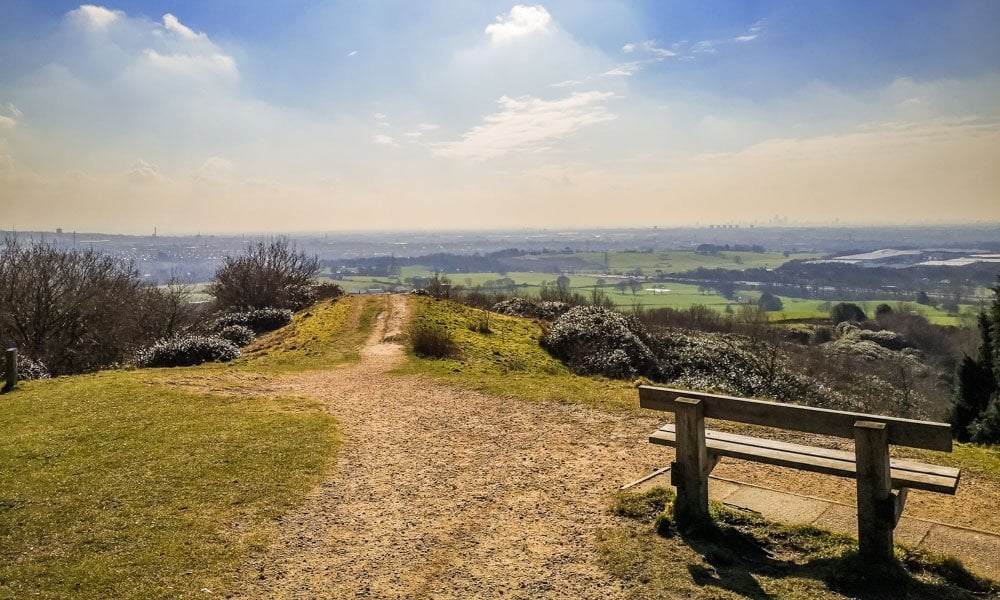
x,y
903,432
829,462
876,506
897,463
692,459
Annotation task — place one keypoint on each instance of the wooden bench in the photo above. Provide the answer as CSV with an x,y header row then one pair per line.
x,y
877,475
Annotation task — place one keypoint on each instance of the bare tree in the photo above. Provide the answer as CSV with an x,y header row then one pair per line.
x,y
271,274
73,310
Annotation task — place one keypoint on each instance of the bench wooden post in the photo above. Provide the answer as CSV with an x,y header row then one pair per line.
x,y
690,471
10,369
876,506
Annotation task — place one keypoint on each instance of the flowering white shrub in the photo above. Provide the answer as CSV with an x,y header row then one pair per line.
x,y
187,351
526,307
598,341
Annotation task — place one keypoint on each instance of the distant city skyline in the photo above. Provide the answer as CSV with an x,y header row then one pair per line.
x,y
229,116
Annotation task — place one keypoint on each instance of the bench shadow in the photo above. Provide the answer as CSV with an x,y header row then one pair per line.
x,y
736,559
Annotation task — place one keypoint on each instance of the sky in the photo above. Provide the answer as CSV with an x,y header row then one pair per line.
x,y
230,116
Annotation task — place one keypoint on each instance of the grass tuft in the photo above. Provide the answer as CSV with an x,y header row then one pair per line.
x,y
741,554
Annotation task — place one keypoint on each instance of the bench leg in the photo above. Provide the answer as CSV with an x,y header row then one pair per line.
x,y
876,503
690,472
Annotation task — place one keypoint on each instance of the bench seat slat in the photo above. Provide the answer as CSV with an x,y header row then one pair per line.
x,y
908,474
897,463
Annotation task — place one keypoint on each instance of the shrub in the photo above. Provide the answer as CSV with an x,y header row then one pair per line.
x,y
597,341
769,302
266,274
327,291
28,369
886,339
260,320
822,335
187,351
847,311
79,310
238,334
432,341
517,306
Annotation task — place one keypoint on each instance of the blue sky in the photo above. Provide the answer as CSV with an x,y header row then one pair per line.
x,y
237,116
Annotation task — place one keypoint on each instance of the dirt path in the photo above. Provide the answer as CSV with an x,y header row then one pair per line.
x,y
443,492
439,492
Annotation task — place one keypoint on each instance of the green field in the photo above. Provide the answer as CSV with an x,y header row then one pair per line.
x,y
679,261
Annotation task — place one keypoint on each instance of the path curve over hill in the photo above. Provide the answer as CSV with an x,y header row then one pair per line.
x,y
450,493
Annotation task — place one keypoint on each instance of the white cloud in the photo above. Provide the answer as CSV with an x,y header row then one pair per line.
x,y
521,21
7,122
704,47
215,64
529,124
567,83
421,129
623,70
352,53
628,48
650,46
384,140
170,23
753,33
94,17
14,110
143,172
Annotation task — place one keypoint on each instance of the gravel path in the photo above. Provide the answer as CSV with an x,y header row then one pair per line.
x,y
441,492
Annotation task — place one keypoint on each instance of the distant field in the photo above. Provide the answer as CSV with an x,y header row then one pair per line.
x,y
678,261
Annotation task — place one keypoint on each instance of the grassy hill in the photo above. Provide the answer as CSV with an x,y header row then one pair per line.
x,y
160,482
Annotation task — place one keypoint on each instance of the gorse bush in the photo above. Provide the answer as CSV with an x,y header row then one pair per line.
x,y
598,341
260,320
432,341
518,306
30,369
238,334
187,351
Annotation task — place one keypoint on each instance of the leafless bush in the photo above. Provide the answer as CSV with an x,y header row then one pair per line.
x,y
78,311
271,274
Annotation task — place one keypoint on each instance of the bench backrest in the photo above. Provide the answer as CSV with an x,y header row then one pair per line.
x,y
903,432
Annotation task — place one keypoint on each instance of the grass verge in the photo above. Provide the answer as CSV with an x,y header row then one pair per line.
x,y
507,360
328,334
746,556
116,486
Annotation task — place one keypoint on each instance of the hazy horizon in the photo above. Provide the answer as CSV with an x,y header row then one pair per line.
x,y
233,118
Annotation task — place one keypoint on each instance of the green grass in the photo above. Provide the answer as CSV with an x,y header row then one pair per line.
x,y
117,486
508,361
679,261
328,334
743,555
801,308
